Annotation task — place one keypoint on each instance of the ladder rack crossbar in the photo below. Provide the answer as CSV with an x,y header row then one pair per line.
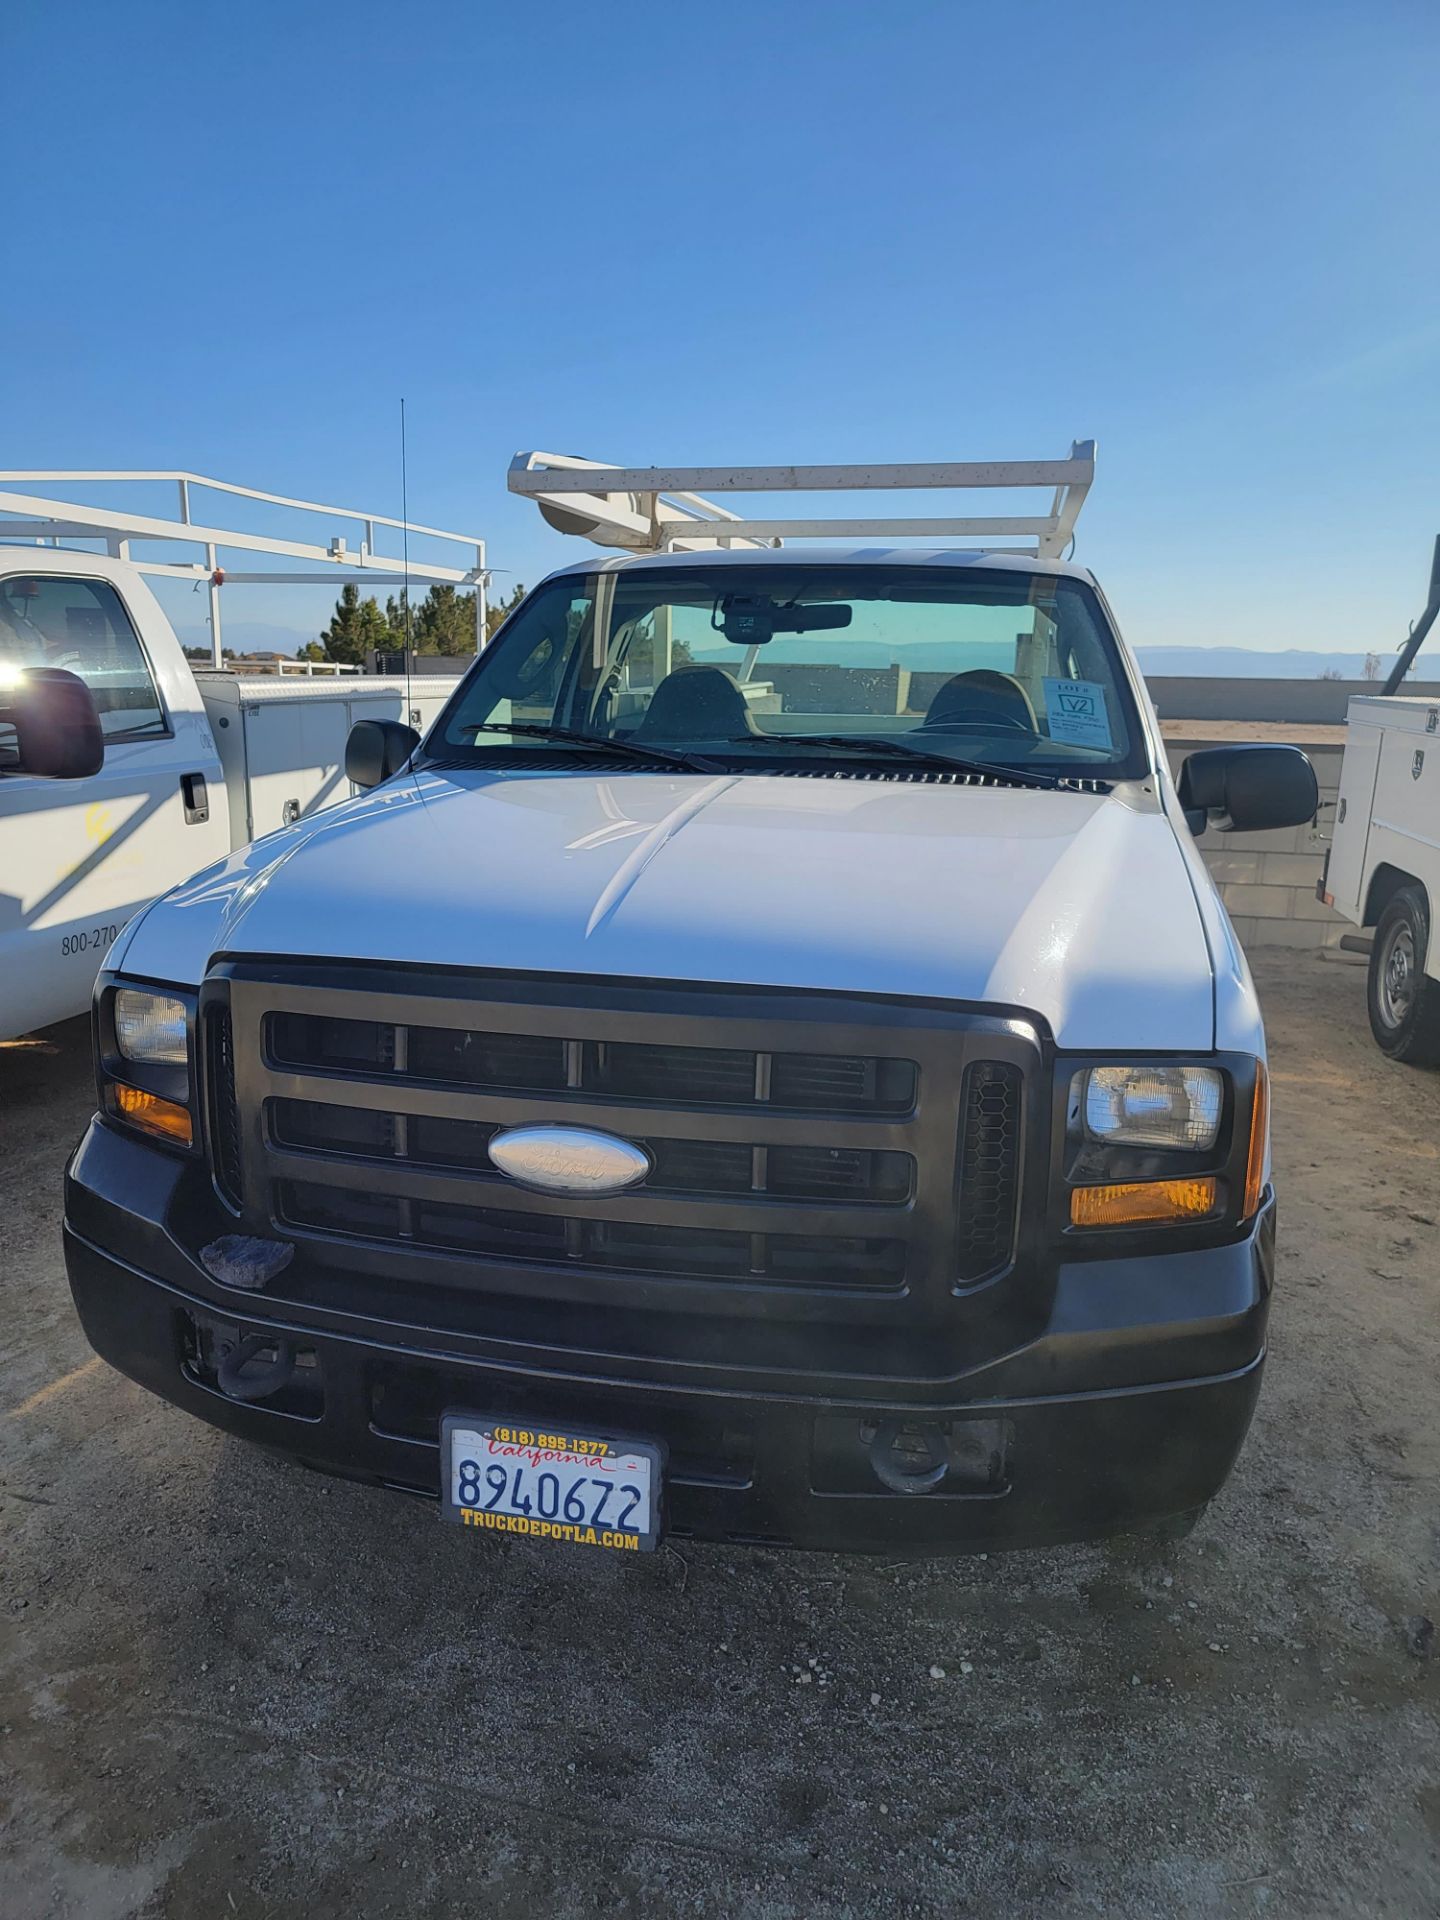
x,y
678,480
660,509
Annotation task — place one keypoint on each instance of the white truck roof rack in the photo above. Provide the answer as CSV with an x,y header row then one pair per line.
x,y
27,517
661,509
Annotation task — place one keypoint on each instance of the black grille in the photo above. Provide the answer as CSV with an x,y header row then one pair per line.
x,y
316,1040
807,1154
222,1109
680,1166
614,1070
625,1245
856,1173
989,1167
425,1139
702,1166
486,1059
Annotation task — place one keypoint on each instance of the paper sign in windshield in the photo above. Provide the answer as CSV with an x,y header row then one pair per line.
x,y
1076,712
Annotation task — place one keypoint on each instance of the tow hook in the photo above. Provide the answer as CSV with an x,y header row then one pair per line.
x,y
910,1457
240,1375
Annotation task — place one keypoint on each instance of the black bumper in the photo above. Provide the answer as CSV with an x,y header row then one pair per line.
x,y
1129,1406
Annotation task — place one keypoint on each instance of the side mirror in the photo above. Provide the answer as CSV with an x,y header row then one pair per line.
x,y
56,722
1247,789
376,749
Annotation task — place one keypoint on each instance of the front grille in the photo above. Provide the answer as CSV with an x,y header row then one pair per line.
x,y
317,1127
498,1233
220,1103
696,1076
989,1168
807,1151
679,1166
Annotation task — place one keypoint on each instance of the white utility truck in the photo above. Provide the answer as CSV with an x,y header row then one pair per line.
x,y
1383,867
770,1063
196,762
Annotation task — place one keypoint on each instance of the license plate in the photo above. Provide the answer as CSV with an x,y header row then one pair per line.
x,y
584,1489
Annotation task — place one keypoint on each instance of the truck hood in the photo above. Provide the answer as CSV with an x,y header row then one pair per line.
x,y
1074,907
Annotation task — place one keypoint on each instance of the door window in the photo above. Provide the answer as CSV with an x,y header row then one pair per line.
x,y
53,620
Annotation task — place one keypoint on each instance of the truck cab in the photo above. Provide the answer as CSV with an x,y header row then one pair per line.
x,y
772,1049
195,762
80,861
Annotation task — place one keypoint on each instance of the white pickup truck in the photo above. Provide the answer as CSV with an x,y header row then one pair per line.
x,y
196,762
1383,867
770,1064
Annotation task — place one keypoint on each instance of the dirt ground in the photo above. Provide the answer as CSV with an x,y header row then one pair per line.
x,y
230,1688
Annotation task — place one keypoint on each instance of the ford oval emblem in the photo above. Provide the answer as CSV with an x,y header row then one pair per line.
x,y
572,1160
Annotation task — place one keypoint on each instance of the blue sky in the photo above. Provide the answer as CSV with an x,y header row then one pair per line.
x,y
1203,235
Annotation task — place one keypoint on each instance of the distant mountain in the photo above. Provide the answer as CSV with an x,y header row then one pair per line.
x,y
1290,663
1228,663
244,636
1245,663
921,656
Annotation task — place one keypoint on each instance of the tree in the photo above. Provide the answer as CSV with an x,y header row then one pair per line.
x,y
395,621
1371,668
355,628
445,621
499,610
645,659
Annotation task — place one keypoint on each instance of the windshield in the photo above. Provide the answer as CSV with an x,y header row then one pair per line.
x,y
754,666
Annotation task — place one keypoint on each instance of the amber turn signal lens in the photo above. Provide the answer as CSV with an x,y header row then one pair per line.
x,y
1259,1134
165,1117
1142,1203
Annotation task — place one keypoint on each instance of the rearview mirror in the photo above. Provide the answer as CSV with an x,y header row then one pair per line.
x,y
56,722
376,749
1245,789
754,622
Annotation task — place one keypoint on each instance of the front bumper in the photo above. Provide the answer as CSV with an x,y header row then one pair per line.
x,y
1129,1406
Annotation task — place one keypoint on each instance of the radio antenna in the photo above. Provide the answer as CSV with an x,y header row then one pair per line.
x,y
405,558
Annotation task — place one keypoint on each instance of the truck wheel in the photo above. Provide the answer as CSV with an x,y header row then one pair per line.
x,y
1179,1526
1404,1002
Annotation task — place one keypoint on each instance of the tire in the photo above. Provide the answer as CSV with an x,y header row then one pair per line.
x,y
1179,1526
1403,1002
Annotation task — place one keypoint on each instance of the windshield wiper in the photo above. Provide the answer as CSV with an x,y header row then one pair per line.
x,y
635,749
864,743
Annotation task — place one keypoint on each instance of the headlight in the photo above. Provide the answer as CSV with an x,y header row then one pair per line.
x,y
150,1028
1178,1107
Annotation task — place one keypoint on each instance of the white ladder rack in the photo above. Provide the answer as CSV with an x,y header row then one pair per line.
x,y
661,509
39,519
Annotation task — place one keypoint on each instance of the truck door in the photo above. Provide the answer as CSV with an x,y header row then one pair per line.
x,y
79,857
1348,871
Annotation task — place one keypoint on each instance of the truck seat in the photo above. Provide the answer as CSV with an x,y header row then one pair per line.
x,y
983,696
696,703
